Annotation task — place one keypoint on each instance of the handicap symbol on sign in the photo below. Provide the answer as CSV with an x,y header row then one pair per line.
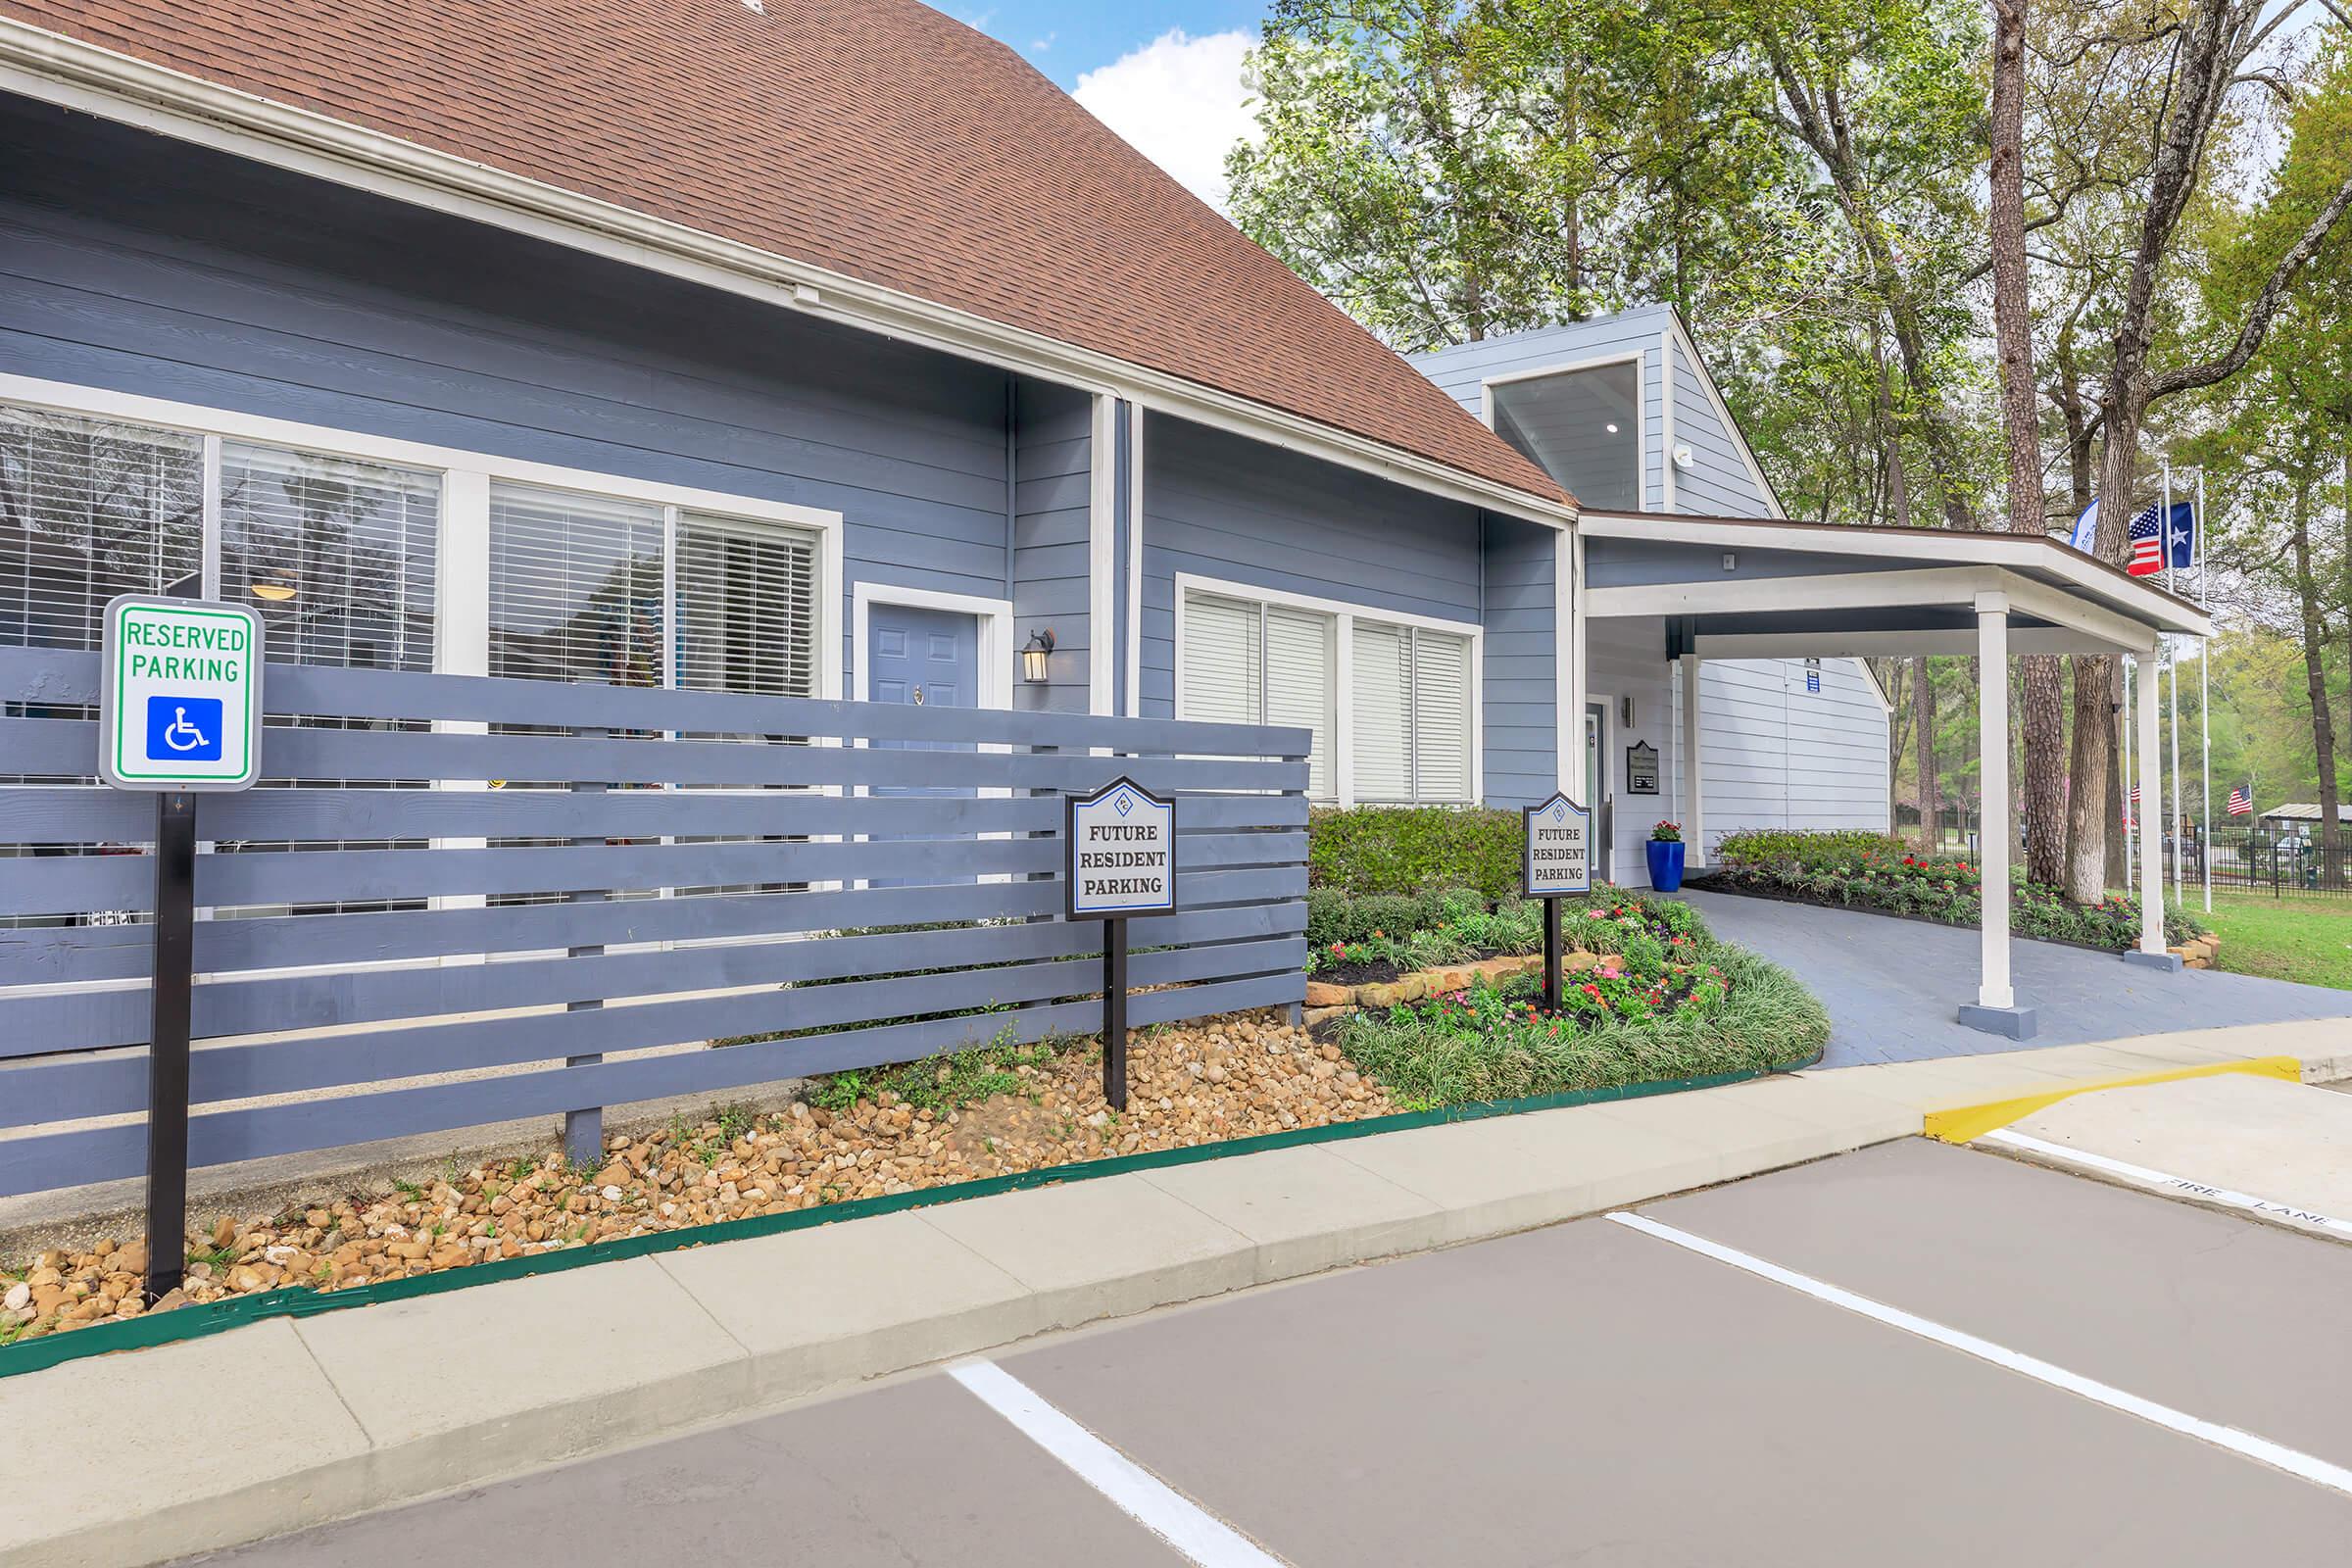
x,y
183,728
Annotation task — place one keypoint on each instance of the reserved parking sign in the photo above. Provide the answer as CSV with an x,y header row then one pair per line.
x,y
181,702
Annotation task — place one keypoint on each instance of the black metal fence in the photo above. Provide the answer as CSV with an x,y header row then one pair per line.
x,y
2281,861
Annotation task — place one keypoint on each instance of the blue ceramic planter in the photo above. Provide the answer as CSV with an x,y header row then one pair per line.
x,y
1665,864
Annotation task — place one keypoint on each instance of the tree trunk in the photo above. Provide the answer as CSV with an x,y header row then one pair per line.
x,y
2041,803
2315,671
2093,756
1923,727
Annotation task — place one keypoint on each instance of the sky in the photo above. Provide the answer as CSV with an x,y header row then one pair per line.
x,y
1166,75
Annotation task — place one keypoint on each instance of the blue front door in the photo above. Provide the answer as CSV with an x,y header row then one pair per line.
x,y
931,659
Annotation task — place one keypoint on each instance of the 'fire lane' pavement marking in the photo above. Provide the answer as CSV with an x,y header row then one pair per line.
x,y
2261,1449
1199,1536
2164,1182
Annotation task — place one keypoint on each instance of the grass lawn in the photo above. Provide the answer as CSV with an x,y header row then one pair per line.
x,y
2305,940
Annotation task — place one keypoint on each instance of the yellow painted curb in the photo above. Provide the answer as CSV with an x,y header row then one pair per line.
x,y
1973,1121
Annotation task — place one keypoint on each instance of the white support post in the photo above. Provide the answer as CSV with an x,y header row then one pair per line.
x,y
1993,705
1579,643
2150,816
1693,803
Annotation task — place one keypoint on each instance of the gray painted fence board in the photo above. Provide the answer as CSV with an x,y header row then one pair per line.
x,y
78,953
69,815
35,1163
115,1083
66,747
96,1019
325,876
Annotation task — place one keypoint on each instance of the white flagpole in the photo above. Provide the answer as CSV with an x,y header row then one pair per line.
x,y
2171,828
2204,693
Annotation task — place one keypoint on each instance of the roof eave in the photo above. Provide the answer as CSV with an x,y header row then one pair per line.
x,y
2106,584
73,74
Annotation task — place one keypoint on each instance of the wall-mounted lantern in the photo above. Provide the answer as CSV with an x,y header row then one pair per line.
x,y
1033,657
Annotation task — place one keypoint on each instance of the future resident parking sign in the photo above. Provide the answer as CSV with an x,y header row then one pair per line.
x,y
1120,849
180,704
1559,849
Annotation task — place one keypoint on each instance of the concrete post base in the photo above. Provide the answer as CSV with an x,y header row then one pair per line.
x,y
2153,960
2014,1023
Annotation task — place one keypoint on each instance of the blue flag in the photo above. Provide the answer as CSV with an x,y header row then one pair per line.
x,y
2180,535
2086,527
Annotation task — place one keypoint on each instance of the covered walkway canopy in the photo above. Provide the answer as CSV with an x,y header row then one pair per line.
x,y
1757,588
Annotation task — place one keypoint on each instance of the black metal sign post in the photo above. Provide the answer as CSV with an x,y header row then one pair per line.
x,y
1114,1014
1557,861
1119,860
168,1041
180,714
1551,955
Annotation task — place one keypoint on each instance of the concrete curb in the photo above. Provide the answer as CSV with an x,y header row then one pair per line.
x,y
293,1422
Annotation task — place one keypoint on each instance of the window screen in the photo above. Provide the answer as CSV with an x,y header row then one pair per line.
x,y
1247,663
336,556
576,588
89,509
747,608
1412,692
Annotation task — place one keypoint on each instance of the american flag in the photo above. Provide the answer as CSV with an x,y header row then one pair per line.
x,y
2241,802
2135,795
2147,542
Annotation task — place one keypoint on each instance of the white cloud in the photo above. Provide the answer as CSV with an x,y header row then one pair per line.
x,y
1178,100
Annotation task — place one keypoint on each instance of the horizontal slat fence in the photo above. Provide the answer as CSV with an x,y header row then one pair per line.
x,y
680,868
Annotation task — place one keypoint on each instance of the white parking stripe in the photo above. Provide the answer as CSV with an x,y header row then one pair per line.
x,y
1200,1537
2166,1181
2291,1460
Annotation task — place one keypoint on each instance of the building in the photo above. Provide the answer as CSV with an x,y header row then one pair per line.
x,y
1796,743
822,346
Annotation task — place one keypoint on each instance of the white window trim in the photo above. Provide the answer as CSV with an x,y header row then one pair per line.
x,y
467,478
1637,358
1345,613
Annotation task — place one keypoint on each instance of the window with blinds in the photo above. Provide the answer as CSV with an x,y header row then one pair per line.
x,y
336,556
1410,692
747,608
576,588
88,510
1251,663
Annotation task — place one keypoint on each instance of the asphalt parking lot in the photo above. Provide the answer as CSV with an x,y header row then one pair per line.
x,y
1911,1354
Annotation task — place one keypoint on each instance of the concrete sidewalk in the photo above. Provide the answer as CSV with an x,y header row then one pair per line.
x,y
1884,1010
294,1422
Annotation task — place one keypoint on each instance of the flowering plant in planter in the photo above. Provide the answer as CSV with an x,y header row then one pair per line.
x,y
1667,833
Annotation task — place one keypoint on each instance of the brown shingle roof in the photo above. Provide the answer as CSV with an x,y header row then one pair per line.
x,y
876,138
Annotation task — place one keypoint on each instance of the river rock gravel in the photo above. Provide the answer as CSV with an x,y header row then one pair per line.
x,y
1230,1077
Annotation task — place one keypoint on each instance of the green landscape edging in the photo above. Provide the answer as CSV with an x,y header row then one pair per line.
x,y
198,1320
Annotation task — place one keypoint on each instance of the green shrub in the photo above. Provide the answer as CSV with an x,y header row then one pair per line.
x,y
1369,850
1873,871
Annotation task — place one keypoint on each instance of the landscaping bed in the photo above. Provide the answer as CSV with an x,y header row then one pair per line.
x,y
1648,994
991,1111
1849,870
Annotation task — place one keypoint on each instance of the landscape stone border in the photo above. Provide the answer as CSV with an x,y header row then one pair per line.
x,y
1325,1000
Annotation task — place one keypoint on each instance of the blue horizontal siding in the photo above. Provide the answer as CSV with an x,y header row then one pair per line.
x,y
1219,506
143,266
